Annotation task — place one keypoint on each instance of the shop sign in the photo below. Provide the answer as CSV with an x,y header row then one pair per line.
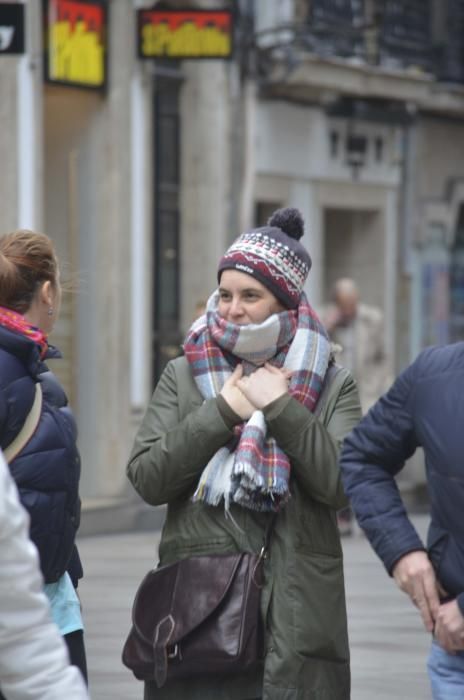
x,y
11,28
76,42
179,34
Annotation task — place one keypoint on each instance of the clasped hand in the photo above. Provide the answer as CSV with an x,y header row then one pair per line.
x,y
415,576
248,394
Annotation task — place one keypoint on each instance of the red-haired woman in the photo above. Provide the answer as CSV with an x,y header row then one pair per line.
x,y
47,468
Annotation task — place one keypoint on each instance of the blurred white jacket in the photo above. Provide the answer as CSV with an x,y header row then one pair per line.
x,y
34,662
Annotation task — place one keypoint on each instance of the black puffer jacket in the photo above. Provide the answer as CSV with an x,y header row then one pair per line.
x,y
47,470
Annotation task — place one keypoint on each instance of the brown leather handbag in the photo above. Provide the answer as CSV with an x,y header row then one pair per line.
x,y
198,616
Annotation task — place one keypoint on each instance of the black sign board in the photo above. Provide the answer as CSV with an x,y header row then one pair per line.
x,y
11,27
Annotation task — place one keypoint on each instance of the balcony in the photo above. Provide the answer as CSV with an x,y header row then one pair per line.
x,y
410,51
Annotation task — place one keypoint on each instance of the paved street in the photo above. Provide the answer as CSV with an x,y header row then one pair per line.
x,y
388,644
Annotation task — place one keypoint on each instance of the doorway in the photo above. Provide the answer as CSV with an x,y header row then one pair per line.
x,y
166,322
354,247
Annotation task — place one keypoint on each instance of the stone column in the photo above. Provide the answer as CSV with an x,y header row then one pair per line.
x,y
205,179
105,339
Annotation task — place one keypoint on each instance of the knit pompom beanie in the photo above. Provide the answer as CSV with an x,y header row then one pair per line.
x,y
273,255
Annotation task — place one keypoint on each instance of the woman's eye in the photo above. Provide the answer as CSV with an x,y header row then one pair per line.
x,y
224,297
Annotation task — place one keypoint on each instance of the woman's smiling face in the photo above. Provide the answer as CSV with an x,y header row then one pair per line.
x,y
244,300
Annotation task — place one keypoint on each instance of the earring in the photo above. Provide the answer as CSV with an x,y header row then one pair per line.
x,y
50,311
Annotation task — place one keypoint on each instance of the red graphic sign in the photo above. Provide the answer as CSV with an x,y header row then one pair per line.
x,y
185,34
76,42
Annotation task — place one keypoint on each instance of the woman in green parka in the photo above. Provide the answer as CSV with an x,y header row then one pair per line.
x,y
231,437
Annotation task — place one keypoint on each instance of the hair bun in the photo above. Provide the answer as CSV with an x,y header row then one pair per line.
x,y
289,220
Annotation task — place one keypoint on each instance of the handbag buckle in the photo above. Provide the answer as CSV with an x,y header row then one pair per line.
x,y
257,568
174,653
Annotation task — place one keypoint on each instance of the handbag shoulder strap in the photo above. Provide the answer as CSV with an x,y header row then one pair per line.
x,y
28,429
332,371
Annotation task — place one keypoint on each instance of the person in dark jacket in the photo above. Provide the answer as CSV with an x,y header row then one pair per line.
x,y
231,437
424,408
47,467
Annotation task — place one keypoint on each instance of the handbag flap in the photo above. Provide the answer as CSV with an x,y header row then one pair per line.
x,y
187,592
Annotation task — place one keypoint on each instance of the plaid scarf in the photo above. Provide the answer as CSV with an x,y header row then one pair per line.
x,y
16,322
252,470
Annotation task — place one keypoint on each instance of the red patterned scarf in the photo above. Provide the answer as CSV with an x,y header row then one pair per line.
x,y
253,471
16,322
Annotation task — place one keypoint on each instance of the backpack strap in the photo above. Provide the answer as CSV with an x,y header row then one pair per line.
x,y
28,429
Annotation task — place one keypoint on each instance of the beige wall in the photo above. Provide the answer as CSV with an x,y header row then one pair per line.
x,y
88,214
440,151
106,361
68,115
8,144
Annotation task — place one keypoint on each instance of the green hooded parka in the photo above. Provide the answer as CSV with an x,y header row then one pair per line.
x,y
303,600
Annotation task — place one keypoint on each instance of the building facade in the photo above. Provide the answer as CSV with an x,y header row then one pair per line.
x,y
144,170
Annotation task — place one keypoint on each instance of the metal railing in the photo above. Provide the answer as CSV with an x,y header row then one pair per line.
x,y
394,33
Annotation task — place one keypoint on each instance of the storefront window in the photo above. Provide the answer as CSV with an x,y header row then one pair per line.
x,y
434,288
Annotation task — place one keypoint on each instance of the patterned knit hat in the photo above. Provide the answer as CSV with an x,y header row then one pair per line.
x,y
273,255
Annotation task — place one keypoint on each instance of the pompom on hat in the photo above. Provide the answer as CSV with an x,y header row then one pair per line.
x,y
273,255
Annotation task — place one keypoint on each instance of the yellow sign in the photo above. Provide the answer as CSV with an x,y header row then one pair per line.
x,y
185,34
76,34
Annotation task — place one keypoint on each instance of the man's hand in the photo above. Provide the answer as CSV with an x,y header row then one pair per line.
x,y
449,627
265,385
415,576
235,398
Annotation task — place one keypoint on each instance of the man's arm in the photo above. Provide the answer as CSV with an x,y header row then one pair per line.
x,y
372,455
